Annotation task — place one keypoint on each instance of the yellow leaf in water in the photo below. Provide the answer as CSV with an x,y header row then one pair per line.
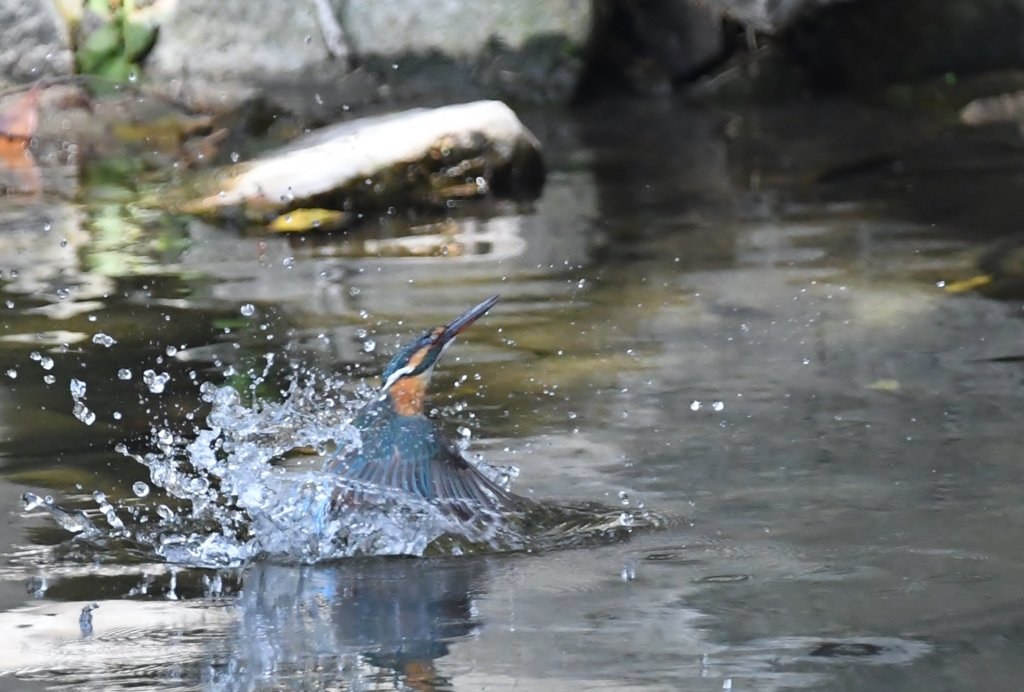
x,y
885,385
306,220
968,284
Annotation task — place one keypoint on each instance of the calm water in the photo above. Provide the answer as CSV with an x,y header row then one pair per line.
x,y
733,319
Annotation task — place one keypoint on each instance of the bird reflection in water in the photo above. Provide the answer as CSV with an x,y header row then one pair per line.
x,y
369,624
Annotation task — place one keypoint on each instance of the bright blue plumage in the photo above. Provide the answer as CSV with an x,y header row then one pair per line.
x,y
404,450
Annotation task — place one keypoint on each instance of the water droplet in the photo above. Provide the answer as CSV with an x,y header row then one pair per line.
x,y
99,496
63,242
806,361
155,381
35,356
12,373
172,351
140,489
83,413
234,157
248,310
103,340
63,293
626,519
288,262
718,406
46,363
49,379
629,570
624,497
117,415
77,389
124,374
695,405
369,345
165,512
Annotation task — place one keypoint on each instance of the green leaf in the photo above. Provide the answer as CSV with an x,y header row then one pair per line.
x,y
101,45
138,39
100,7
104,41
116,69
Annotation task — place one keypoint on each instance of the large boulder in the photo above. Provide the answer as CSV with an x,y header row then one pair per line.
x,y
523,51
216,55
300,54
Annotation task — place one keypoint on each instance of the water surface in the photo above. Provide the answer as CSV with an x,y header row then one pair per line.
x,y
732,318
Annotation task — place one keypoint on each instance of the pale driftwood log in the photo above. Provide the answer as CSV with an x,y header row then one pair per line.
x,y
342,158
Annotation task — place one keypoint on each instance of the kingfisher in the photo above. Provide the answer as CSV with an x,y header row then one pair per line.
x,y
404,450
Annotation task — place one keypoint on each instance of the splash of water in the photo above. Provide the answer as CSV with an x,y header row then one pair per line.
x,y
237,502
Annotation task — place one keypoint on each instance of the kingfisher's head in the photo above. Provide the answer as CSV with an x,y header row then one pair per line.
x,y
406,377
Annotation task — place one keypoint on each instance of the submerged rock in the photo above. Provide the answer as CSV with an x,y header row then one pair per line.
x,y
424,156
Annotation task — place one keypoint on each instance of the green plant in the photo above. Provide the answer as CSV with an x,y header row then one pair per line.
x,y
115,49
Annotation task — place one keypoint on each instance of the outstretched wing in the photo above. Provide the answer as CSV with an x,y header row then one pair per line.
x,y
410,454
454,478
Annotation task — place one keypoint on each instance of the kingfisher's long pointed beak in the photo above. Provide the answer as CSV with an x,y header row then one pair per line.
x,y
456,326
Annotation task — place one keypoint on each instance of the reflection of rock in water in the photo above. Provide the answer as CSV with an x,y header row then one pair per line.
x,y
356,621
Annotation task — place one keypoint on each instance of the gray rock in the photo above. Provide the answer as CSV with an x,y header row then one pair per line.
x,y
34,42
218,54
459,29
523,51
221,53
